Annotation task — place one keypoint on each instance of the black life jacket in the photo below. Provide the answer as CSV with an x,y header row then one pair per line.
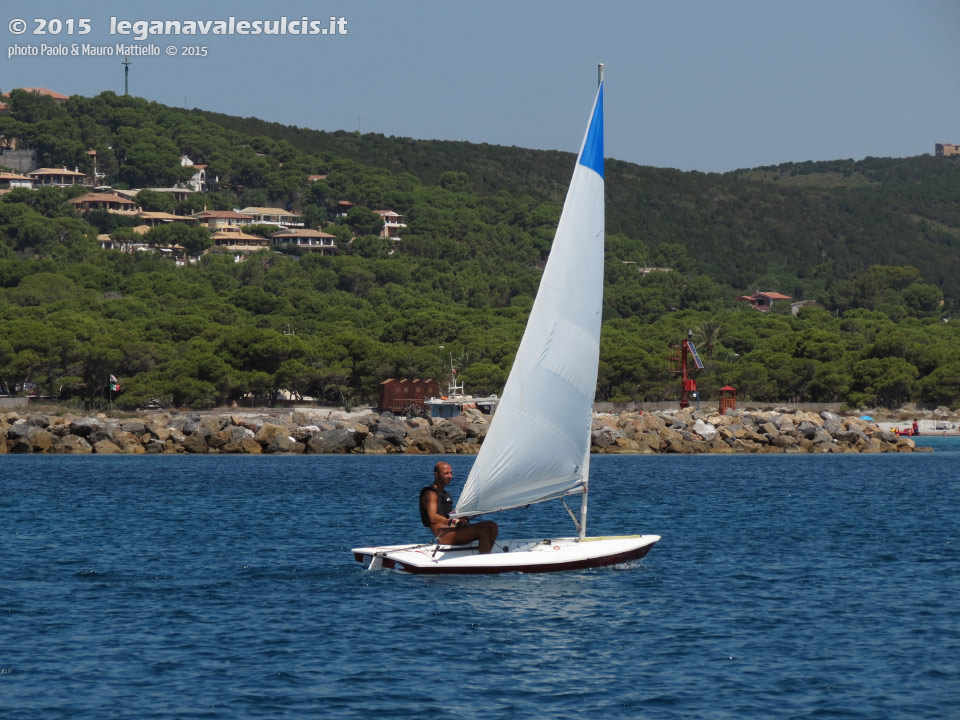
x,y
444,504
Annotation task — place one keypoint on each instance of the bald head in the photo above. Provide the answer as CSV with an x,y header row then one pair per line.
x,y
442,474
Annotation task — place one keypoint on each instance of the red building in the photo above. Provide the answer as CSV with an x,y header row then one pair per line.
x,y
397,395
763,301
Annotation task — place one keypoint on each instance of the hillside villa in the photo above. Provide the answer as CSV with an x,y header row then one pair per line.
x,y
763,301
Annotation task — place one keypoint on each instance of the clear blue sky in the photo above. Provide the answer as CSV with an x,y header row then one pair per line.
x,y
691,84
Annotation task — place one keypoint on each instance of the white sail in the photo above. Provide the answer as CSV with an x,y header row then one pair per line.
x,y
539,440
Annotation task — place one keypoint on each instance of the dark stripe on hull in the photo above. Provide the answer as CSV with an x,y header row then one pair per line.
x,y
546,567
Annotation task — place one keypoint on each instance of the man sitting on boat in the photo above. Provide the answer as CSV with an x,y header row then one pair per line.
x,y
435,509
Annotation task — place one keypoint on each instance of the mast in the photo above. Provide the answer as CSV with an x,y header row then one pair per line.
x,y
585,474
126,75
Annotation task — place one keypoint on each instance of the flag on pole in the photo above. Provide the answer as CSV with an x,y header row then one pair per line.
x,y
114,384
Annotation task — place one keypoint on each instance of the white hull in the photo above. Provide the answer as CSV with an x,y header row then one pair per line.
x,y
551,555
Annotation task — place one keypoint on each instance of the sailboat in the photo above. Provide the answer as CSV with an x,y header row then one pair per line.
x,y
538,446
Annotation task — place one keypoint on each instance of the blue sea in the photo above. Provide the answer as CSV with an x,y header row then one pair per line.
x,y
790,586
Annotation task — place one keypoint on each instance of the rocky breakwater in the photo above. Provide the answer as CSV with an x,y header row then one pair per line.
x,y
301,431
331,431
739,431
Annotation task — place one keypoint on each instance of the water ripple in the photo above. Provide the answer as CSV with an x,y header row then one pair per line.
x,y
790,587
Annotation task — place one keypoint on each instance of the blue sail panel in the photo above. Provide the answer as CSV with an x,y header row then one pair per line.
x,y
592,154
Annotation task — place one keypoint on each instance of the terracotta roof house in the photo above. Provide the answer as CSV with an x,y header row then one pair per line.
x,y
763,301
306,239
102,201
233,235
159,218
60,177
58,98
272,216
108,243
16,181
392,222
179,194
234,240
222,218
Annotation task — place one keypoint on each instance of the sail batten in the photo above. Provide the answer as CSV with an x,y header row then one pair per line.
x,y
534,450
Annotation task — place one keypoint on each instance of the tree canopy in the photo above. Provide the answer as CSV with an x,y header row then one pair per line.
x,y
874,244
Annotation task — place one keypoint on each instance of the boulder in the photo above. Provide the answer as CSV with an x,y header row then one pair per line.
x,y
303,433
59,427
448,432
250,446
213,423
305,417
218,439
668,435
605,435
769,429
154,447
784,441
742,445
268,432
769,450
851,437
822,436
106,447
252,424
123,438
376,445
604,421
332,441
391,430
134,428
421,441
195,427
86,426
705,430
72,445
626,445
648,441
157,429
687,445
285,444
359,430
195,443
25,438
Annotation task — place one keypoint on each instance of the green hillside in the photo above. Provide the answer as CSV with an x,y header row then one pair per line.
x,y
794,227
873,242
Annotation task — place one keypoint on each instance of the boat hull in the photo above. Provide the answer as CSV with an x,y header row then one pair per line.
x,y
526,556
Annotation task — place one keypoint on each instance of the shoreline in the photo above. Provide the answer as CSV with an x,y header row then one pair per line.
x,y
334,431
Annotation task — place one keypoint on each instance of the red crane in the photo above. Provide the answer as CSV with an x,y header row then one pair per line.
x,y
681,365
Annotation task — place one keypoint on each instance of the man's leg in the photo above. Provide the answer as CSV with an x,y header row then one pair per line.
x,y
485,532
